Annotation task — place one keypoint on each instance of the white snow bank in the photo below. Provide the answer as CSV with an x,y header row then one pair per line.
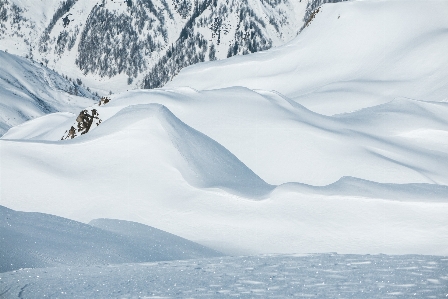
x,y
354,187
203,162
353,55
41,128
32,240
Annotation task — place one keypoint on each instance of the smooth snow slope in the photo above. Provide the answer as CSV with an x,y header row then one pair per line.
x,y
143,164
403,141
353,55
29,90
31,240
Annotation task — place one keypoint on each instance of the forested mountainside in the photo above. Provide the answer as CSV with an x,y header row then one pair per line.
x,y
143,43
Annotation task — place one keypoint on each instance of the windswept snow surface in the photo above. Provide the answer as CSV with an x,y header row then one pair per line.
x,y
30,240
146,165
320,276
29,90
353,55
253,171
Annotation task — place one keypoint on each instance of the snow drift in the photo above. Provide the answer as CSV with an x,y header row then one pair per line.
x,y
143,164
35,240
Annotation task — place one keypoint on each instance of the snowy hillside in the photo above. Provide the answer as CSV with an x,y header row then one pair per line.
x,y
335,142
352,55
324,159
34,240
29,90
274,166
143,163
115,45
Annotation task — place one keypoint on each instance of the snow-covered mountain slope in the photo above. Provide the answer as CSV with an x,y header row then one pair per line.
x,y
29,90
31,240
250,170
352,55
399,142
112,45
268,276
143,164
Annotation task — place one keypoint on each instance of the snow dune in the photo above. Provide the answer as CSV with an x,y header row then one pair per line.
x,y
282,141
143,164
202,162
35,240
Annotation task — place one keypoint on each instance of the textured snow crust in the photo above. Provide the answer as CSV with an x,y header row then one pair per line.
x,y
320,276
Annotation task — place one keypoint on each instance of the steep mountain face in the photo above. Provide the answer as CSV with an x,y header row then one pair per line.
x,y
142,43
221,29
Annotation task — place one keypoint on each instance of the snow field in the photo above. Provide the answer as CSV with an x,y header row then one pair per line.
x,y
267,276
246,170
138,165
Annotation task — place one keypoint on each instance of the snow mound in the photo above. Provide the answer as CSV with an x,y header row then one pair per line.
x,y
29,90
353,55
205,163
31,240
354,187
41,128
